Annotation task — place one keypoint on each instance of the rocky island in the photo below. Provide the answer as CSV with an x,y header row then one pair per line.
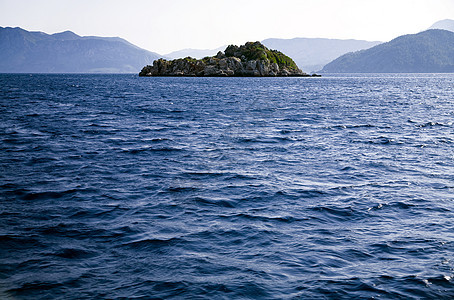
x,y
252,59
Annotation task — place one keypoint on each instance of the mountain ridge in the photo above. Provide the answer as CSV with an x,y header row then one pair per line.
x,y
25,51
430,51
311,54
195,53
446,24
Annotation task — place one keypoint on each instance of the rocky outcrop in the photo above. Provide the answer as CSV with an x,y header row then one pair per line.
x,y
251,59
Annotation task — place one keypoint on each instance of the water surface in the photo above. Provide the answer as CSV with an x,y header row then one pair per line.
x,y
115,186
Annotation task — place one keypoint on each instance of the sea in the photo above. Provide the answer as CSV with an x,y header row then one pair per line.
x,y
123,187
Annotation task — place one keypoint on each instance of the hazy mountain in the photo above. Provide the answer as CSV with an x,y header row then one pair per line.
x,y
23,51
195,53
311,54
444,24
430,51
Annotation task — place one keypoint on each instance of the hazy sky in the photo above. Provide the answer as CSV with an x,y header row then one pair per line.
x,y
167,25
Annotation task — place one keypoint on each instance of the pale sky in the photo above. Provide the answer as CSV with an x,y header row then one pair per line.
x,y
163,26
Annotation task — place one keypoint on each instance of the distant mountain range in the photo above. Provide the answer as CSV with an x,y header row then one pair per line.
x,y
195,53
311,54
37,52
430,51
443,24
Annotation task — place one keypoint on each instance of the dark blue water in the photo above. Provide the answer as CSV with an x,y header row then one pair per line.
x,y
120,187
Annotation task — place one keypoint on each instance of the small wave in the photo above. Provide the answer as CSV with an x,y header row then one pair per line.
x,y
99,125
151,243
286,131
73,253
349,126
214,202
234,177
284,139
433,124
269,219
310,193
99,132
14,141
9,243
204,174
252,140
40,160
445,281
182,189
382,140
35,289
158,140
47,194
401,205
348,288
416,287
151,149
356,254
343,214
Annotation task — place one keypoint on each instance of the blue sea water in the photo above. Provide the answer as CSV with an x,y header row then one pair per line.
x,y
120,187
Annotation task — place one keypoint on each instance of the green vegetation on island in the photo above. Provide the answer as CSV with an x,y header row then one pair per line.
x,y
257,51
